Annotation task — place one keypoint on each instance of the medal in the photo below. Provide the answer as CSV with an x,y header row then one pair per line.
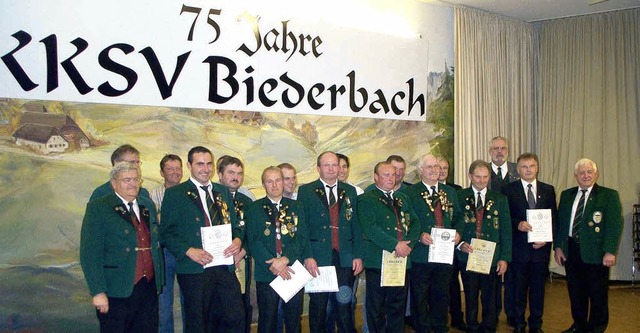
x,y
597,217
284,230
597,229
591,223
267,232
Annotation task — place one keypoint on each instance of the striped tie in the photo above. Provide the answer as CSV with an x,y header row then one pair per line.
x,y
577,220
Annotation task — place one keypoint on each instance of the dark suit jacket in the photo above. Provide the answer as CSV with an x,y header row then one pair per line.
x,y
378,222
263,247
316,209
496,223
451,216
523,251
108,244
512,175
182,217
106,188
455,186
600,232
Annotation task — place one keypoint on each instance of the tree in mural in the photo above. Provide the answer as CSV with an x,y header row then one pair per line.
x,y
441,116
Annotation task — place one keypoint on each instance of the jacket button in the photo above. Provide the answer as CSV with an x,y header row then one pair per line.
x,y
126,231
127,250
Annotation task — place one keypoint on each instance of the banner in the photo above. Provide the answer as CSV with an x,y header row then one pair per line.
x,y
338,58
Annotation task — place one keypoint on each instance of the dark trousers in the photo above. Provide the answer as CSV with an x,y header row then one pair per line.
x,y
588,286
509,296
136,313
429,284
212,301
268,301
529,282
474,284
318,301
385,305
455,297
246,297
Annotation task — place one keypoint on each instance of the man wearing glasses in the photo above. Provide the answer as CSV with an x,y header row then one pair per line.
x,y
124,153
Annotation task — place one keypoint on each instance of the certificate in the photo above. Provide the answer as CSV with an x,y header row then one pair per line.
x,y
481,258
542,229
286,289
241,274
327,281
215,239
441,250
393,270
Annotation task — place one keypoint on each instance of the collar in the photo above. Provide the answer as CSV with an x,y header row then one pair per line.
x,y
125,202
198,185
504,168
534,184
475,191
429,186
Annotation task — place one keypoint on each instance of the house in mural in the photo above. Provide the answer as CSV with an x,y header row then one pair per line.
x,y
40,130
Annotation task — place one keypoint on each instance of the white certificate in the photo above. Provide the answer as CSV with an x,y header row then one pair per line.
x,y
481,258
286,289
542,229
393,270
443,246
215,239
327,281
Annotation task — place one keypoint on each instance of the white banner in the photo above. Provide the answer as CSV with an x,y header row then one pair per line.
x,y
351,58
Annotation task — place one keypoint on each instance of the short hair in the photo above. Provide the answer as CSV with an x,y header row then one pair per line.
x,y
121,167
169,157
442,159
584,161
345,158
198,149
421,160
528,156
498,137
119,153
322,154
396,158
271,168
286,165
379,164
478,164
226,160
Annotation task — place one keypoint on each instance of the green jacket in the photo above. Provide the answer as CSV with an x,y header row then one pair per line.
x,y
424,207
496,224
108,244
378,222
262,243
602,226
182,217
316,209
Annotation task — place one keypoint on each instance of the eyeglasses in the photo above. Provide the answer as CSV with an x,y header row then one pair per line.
x,y
130,180
499,148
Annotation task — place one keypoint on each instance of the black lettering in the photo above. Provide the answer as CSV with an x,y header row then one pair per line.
x,y
379,104
334,94
352,90
158,74
394,105
419,99
213,62
127,73
71,70
253,21
311,97
271,84
285,94
248,83
14,67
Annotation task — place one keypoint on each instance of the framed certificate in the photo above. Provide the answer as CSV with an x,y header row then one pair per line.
x,y
215,239
394,270
542,228
441,251
481,258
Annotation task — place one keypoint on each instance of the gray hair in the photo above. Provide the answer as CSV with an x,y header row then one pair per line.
x,y
421,160
121,167
583,162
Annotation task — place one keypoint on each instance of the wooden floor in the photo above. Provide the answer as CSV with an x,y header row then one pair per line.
x,y
624,310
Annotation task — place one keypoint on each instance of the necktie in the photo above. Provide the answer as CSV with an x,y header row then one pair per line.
x,y
500,173
132,214
278,228
210,206
577,220
332,198
434,194
531,200
479,204
437,211
388,195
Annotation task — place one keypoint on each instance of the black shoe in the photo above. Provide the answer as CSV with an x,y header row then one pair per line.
x,y
536,330
571,329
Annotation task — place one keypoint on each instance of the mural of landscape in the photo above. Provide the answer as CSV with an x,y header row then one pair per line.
x,y
53,154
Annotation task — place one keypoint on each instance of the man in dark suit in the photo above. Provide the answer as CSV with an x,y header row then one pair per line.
x,y
276,239
120,255
231,174
124,153
436,206
530,261
486,217
586,243
186,208
455,298
389,223
335,240
502,173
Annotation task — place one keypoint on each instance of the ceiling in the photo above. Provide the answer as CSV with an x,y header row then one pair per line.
x,y
539,10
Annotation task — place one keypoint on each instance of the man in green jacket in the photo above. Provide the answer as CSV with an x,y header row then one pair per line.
x,y
120,255
586,244
186,208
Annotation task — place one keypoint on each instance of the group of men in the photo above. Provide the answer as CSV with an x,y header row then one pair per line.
x,y
132,248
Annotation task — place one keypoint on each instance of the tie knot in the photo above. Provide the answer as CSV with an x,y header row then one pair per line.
x,y
205,188
130,204
529,186
433,190
330,187
584,191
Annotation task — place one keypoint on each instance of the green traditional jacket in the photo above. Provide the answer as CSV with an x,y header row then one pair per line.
x,y
108,243
379,217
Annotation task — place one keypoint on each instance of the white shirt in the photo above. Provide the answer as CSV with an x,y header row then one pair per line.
x,y
334,189
575,206
202,195
483,195
503,168
429,187
136,209
525,185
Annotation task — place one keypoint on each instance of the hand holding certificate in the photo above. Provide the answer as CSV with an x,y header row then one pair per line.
x,y
286,289
541,227
393,270
326,281
215,240
443,246
481,258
